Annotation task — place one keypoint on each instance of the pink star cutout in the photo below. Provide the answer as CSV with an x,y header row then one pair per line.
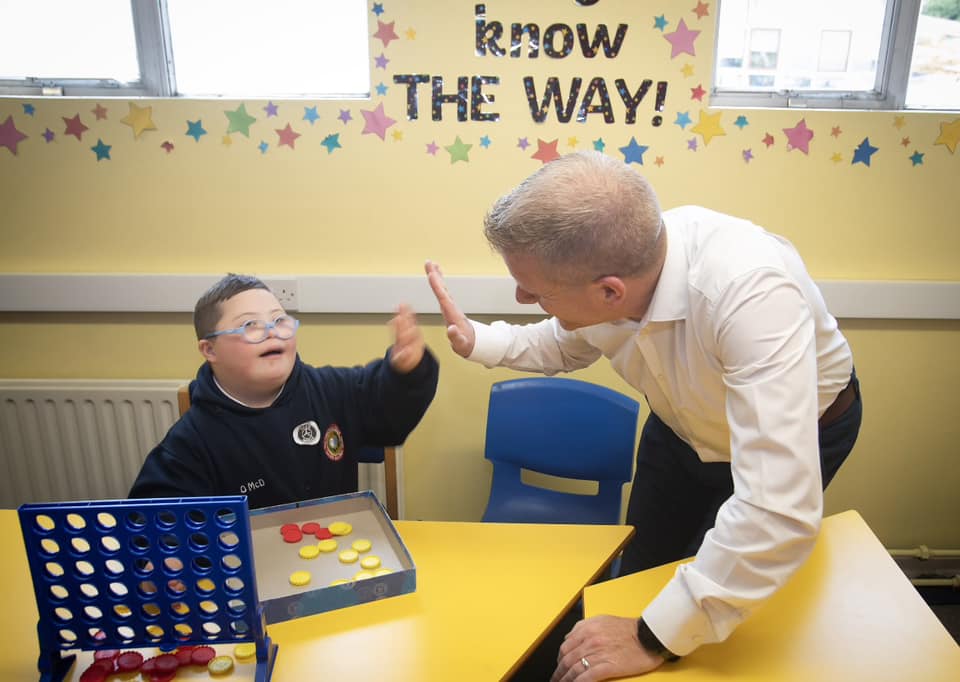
x,y
681,40
697,93
288,136
74,126
433,148
768,140
701,10
385,32
10,137
376,122
799,137
167,146
546,151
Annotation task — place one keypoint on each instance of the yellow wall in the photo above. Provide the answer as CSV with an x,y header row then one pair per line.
x,y
376,206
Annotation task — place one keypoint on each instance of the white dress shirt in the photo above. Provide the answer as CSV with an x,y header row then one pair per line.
x,y
737,354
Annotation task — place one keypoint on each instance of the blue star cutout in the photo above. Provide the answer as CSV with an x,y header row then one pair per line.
x,y
382,89
660,22
485,141
263,147
310,114
863,153
28,109
741,122
599,144
683,119
102,150
917,158
633,152
378,8
195,129
332,142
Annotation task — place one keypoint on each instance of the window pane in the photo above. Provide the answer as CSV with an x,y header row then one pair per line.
x,y
253,48
822,45
68,39
935,70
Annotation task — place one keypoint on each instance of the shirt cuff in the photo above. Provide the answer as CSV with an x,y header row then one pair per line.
x,y
491,343
676,619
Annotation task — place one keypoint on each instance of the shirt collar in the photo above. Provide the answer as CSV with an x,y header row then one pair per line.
x,y
669,300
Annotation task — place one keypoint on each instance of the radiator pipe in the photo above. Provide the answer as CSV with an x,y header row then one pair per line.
x,y
924,552
953,582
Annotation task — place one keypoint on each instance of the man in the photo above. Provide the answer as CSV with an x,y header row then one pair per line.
x,y
753,400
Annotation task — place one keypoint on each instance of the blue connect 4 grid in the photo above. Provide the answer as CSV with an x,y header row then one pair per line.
x,y
131,574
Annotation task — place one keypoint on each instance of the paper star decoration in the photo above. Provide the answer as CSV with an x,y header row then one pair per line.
x,y
397,135
74,126
288,136
48,135
523,143
681,40
310,114
546,151
10,137
385,32
28,109
863,152
240,121
837,157
835,131
459,151
381,61
382,89
572,142
697,93
226,140
692,144
195,129
747,155
271,109
899,122
411,34
263,147
99,112
799,136
949,135
345,116
686,70
658,161
599,145
485,142
701,10
376,122
139,118
683,119
377,8
916,158
332,142
167,146
741,122
905,141
708,126
660,22
768,140
633,152
433,148
101,150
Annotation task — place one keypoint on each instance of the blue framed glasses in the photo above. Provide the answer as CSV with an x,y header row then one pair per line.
x,y
258,331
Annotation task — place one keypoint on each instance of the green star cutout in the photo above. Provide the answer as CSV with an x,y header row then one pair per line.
x,y
458,151
240,121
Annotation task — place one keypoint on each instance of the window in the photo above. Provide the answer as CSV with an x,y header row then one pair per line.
x,y
219,48
891,54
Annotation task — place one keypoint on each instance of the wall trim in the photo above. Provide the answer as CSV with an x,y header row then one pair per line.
x,y
477,295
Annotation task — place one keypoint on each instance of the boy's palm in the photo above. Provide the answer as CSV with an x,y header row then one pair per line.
x,y
407,351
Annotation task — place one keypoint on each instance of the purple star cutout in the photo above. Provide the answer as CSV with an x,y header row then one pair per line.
x,y
523,143
345,116
681,40
692,144
381,61
747,155
48,135
376,122
433,148
271,109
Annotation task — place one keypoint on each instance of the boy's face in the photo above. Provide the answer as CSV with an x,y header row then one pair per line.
x,y
250,368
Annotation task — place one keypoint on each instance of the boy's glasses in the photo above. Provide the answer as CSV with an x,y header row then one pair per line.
x,y
258,331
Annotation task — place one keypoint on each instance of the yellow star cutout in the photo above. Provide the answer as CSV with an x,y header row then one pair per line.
x,y
139,119
899,122
708,126
397,135
949,135
836,158
411,34
227,140
572,142
687,71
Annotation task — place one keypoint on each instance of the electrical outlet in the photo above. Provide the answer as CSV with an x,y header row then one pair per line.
x,y
286,290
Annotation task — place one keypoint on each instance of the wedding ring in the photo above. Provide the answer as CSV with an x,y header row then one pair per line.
x,y
585,662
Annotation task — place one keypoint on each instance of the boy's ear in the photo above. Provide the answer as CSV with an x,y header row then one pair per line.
x,y
205,346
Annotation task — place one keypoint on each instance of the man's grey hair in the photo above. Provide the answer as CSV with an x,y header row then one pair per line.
x,y
582,216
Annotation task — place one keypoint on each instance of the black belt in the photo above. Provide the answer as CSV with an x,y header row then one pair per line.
x,y
840,404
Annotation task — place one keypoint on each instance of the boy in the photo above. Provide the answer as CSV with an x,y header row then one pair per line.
x,y
264,424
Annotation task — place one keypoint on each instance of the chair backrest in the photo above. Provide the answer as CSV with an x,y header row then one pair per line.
x,y
559,427
368,455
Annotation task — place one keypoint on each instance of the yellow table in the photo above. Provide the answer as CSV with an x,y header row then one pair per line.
x,y
486,595
849,614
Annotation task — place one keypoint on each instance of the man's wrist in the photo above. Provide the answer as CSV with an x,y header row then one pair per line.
x,y
652,643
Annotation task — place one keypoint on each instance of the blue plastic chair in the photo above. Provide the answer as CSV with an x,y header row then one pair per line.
x,y
559,427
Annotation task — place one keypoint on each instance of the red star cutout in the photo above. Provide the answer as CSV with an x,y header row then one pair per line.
x,y
697,93
287,136
701,10
905,142
385,32
74,127
167,146
99,111
546,151
10,137
835,131
768,139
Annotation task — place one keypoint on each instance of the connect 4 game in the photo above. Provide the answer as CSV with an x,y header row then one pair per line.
x,y
177,574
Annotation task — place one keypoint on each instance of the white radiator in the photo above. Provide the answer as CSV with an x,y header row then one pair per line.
x,y
85,439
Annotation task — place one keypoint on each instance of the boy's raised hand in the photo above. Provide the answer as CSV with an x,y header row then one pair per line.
x,y
459,330
407,351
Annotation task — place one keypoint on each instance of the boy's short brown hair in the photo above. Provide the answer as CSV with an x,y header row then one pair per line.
x,y
208,310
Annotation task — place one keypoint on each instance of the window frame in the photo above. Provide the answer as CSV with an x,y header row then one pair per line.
x,y
890,86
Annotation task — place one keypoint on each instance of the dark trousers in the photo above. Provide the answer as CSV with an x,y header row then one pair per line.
x,y
675,496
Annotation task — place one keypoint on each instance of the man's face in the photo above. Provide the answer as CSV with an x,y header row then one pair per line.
x,y
574,305
250,367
